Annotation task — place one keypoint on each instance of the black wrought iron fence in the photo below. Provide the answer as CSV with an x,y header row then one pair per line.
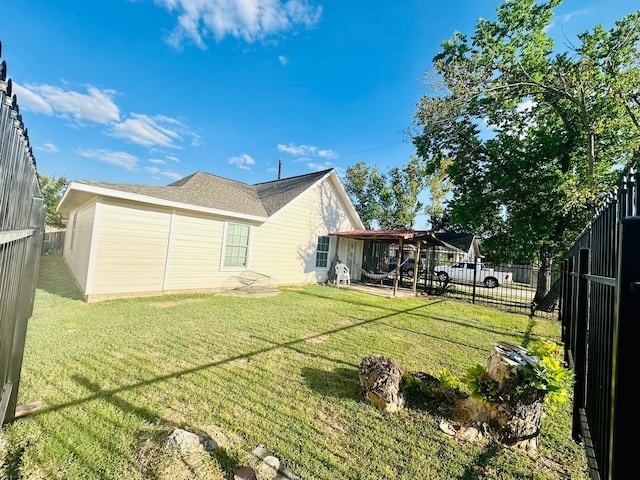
x,y
509,287
21,227
600,313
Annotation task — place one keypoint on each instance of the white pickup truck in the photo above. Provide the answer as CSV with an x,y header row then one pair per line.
x,y
464,272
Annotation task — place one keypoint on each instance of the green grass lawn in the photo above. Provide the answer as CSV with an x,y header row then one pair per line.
x,y
117,377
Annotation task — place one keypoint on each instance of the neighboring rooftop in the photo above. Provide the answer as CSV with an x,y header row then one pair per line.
x,y
462,241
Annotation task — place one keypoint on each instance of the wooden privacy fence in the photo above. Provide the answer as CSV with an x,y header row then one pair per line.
x,y
600,314
21,227
53,242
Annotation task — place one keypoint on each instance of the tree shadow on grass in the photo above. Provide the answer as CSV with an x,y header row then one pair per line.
x,y
339,382
54,277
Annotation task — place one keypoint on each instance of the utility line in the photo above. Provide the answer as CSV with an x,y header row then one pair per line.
x,y
371,149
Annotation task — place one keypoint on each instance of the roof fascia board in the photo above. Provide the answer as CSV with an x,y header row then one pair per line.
x,y
136,197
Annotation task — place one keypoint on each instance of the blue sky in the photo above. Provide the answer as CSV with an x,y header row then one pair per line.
x,y
149,91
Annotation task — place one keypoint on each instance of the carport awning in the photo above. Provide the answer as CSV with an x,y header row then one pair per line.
x,y
401,236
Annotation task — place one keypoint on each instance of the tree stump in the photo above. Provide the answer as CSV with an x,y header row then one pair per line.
x,y
381,378
514,419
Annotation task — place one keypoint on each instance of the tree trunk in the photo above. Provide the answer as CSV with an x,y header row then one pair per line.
x,y
515,419
381,379
544,274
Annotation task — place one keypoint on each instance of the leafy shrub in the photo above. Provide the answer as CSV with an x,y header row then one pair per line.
x,y
548,375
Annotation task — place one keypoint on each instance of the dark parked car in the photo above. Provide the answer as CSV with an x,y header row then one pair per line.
x,y
407,267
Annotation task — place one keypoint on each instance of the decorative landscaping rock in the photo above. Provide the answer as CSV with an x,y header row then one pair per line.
x,y
382,382
245,473
269,467
184,442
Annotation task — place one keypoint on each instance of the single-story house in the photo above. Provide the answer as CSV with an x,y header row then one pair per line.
x,y
205,233
460,247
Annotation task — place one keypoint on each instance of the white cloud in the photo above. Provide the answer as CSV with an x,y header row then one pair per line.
x,y
327,154
164,173
249,20
94,106
120,159
48,147
171,175
293,149
320,166
307,151
31,101
283,60
563,19
243,161
149,131
172,158
157,161
97,106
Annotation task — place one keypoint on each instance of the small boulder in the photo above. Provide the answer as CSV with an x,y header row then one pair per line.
x,y
269,467
184,441
244,473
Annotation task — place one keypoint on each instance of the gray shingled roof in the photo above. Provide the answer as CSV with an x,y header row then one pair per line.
x,y
459,240
277,193
210,191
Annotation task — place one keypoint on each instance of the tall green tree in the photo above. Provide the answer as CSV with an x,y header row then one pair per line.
x,y
439,187
558,127
399,199
364,185
389,201
52,189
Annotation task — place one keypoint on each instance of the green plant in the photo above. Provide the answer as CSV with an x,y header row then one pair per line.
x,y
480,385
411,383
545,348
448,379
547,374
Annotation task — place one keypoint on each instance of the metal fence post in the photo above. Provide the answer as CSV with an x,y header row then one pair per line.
x,y
564,274
581,332
475,279
625,346
568,302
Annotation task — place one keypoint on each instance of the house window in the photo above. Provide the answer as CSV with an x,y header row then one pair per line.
x,y
322,252
236,248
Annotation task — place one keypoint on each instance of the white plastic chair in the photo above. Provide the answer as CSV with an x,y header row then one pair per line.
x,y
342,274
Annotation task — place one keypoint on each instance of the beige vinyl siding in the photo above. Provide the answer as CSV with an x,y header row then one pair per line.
x,y
124,247
77,255
131,248
194,259
285,246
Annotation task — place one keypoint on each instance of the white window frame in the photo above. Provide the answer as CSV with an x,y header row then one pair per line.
x,y
326,267
223,267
